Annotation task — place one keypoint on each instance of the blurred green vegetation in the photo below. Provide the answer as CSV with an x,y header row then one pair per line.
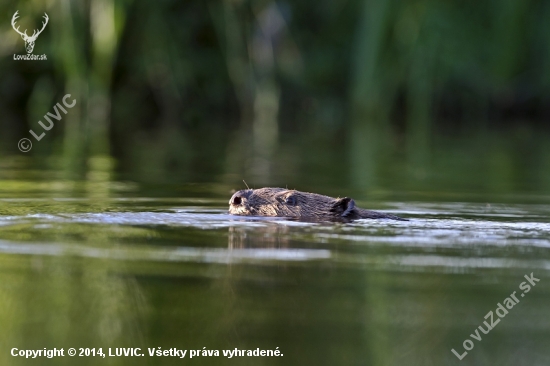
x,y
364,94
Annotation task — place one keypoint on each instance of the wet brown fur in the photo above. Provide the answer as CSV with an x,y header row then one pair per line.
x,y
280,202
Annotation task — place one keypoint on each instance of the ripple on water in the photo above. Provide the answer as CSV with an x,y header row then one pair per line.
x,y
423,243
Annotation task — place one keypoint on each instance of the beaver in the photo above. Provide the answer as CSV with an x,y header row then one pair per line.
x,y
290,203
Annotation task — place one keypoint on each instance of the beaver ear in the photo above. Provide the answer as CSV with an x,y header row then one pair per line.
x,y
291,200
345,204
287,198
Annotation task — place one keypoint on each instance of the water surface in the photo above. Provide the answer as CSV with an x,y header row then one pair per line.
x,y
180,272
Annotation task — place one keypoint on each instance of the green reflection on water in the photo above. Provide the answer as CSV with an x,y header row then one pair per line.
x,y
98,263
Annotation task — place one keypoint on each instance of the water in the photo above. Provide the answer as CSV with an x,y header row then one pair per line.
x,y
135,271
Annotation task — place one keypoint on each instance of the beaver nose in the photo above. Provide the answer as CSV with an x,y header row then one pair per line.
x,y
239,197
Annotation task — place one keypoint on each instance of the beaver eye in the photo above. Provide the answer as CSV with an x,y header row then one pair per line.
x,y
236,200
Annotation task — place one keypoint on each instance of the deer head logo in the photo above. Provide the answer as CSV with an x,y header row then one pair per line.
x,y
29,41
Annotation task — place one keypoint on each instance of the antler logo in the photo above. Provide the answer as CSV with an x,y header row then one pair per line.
x,y
29,41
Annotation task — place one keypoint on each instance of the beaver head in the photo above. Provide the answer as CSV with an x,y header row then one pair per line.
x,y
295,204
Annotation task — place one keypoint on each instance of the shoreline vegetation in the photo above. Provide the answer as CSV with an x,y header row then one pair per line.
x,y
372,95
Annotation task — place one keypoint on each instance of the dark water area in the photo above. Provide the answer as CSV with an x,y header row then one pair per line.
x,y
102,264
